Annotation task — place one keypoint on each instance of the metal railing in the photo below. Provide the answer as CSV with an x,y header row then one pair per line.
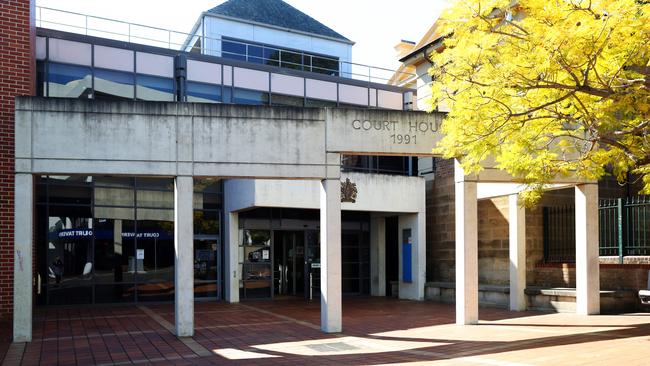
x,y
624,229
91,25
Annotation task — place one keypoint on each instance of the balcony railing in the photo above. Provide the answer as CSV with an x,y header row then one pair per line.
x,y
91,25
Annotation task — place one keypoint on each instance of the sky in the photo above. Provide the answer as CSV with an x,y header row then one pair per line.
x,y
375,25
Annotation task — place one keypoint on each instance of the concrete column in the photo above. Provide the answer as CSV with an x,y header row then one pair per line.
x,y
466,253
330,255
587,267
413,290
517,251
23,231
231,257
184,250
377,256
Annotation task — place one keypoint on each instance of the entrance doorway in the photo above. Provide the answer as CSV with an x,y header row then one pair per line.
x,y
289,263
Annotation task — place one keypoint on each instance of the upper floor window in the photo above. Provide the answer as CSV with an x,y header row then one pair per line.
x,y
275,56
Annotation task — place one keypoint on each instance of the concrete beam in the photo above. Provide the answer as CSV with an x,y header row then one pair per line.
x,y
184,256
330,253
587,265
23,231
517,252
466,253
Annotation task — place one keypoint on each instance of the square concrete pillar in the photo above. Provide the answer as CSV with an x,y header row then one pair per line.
x,y
377,256
466,253
517,252
330,256
184,256
587,266
415,225
231,256
23,231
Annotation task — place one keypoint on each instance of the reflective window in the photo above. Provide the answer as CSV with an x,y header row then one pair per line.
x,y
69,81
208,196
203,93
325,65
113,85
316,103
244,96
97,243
286,100
154,261
233,50
154,88
255,54
292,59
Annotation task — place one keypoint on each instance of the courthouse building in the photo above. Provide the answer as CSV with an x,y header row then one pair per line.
x,y
246,159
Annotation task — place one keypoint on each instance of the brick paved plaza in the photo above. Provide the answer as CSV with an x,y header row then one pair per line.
x,y
286,332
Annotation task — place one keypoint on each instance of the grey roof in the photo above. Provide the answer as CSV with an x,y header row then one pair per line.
x,y
276,13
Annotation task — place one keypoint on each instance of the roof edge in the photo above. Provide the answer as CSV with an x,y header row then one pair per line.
x,y
341,40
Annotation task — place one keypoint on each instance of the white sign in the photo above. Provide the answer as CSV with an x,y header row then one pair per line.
x,y
139,254
315,265
265,254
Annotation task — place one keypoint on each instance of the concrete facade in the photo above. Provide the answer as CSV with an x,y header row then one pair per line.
x,y
189,140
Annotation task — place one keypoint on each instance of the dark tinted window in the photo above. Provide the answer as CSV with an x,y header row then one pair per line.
x,y
233,50
243,96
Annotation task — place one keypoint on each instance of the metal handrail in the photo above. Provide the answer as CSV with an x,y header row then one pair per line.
x,y
137,33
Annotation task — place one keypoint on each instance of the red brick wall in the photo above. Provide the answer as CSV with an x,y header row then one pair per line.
x,y
17,77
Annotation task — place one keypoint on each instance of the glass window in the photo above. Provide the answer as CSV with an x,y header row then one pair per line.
x,y
244,96
154,261
109,196
255,54
205,267
69,256
325,65
155,199
317,103
69,81
271,56
233,50
113,85
114,252
291,60
154,88
40,79
203,93
206,222
256,237
286,100
227,94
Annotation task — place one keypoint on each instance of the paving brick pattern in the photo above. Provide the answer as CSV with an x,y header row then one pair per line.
x,y
286,332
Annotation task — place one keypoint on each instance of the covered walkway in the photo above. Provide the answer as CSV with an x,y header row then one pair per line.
x,y
287,332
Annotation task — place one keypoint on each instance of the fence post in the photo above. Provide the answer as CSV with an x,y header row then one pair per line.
x,y
546,233
619,226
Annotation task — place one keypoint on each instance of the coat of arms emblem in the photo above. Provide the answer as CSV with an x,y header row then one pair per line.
x,y
348,191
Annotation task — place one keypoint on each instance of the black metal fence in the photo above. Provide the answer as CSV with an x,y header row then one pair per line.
x,y
624,229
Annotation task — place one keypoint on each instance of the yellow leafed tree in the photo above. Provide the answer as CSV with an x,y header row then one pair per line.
x,y
547,88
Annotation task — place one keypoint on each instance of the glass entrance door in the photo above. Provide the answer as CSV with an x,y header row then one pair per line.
x,y
289,263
